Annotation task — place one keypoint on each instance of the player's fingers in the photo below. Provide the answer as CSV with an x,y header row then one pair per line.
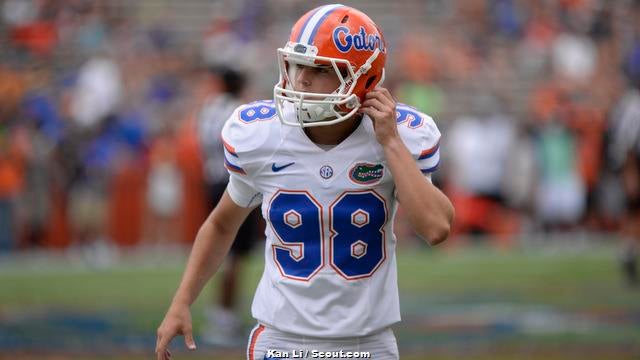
x,y
158,339
387,94
373,113
387,112
387,105
383,95
161,345
188,339
161,354
376,104
388,99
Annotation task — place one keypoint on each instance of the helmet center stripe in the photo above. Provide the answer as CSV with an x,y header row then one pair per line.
x,y
311,27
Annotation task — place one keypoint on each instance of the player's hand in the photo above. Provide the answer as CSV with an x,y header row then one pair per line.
x,y
177,321
381,108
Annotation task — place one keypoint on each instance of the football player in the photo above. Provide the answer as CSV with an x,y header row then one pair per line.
x,y
328,161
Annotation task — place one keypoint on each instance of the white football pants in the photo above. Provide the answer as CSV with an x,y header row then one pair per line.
x,y
268,343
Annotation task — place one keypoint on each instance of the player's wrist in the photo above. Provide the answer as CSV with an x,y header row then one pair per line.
x,y
180,301
391,142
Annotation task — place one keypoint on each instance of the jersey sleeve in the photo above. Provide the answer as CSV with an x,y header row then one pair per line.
x,y
242,191
242,139
422,138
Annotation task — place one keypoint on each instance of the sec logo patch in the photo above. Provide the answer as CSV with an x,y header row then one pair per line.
x,y
326,172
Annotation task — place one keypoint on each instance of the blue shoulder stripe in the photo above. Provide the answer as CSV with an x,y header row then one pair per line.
x,y
232,167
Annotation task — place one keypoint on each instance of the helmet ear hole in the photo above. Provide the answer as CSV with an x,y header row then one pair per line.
x,y
344,19
370,81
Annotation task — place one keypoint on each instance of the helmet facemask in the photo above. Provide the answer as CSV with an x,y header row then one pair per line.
x,y
316,109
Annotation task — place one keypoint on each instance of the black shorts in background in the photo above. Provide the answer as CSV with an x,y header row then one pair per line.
x,y
247,234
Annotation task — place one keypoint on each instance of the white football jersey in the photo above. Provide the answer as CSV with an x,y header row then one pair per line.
x,y
330,265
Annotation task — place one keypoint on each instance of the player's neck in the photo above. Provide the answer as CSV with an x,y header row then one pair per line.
x,y
333,134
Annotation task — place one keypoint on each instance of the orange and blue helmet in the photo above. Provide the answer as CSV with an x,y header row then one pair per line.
x,y
341,38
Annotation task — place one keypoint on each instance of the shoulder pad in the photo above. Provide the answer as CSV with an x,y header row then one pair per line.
x,y
246,133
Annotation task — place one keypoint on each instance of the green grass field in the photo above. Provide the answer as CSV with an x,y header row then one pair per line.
x,y
469,303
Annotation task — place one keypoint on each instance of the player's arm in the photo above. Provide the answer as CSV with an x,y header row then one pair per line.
x,y
429,211
210,247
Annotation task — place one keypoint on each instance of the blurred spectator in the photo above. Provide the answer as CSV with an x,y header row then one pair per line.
x,y
97,92
40,118
521,173
127,178
223,44
574,57
632,65
88,193
625,149
11,181
34,207
479,148
224,88
27,30
560,200
164,189
539,33
91,32
561,194
13,86
507,17
18,12
479,167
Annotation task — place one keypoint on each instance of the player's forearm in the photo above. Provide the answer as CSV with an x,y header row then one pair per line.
x,y
210,247
429,211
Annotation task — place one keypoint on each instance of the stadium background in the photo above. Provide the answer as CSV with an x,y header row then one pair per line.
x,y
97,104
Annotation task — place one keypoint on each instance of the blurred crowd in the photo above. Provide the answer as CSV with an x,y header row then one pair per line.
x,y
101,106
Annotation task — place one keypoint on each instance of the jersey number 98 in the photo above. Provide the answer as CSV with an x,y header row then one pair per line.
x,y
356,241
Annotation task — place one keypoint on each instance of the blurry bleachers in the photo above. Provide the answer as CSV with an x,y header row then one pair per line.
x,y
546,76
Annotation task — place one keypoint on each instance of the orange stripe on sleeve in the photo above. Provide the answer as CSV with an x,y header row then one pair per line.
x,y
229,148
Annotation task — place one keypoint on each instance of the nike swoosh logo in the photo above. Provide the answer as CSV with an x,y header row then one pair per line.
x,y
278,168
